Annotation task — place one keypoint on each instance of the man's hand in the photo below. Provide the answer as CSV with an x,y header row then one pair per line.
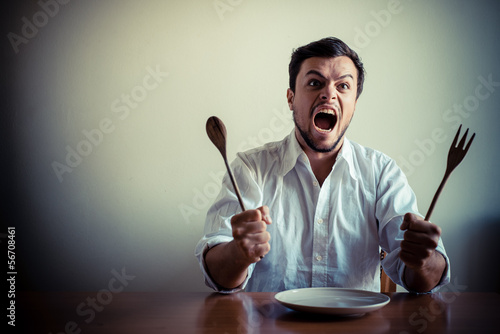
x,y
420,241
228,262
424,265
251,238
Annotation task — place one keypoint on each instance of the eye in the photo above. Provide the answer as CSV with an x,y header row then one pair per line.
x,y
343,86
314,83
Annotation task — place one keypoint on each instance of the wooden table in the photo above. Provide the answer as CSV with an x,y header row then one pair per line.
x,y
164,312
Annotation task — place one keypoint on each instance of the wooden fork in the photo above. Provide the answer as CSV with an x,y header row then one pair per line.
x,y
455,156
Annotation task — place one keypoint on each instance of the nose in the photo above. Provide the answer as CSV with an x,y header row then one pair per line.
x,y
329,93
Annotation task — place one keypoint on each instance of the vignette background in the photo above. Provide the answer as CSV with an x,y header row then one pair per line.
x,y
138,197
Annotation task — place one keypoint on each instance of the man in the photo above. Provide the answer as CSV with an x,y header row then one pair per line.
x,y
333,203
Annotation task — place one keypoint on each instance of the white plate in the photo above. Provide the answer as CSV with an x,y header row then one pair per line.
x,y
332,300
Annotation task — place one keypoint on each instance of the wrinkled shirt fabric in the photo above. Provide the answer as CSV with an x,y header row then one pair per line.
x,y
321,236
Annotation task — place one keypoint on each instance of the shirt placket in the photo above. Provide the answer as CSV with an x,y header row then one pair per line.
x,y
320,235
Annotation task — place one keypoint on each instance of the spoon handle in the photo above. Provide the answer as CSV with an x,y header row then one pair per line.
x,y
235,185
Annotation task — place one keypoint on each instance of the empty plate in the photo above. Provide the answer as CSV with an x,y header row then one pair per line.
x,y
338,301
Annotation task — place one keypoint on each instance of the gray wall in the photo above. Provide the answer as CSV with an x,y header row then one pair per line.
x,y
78,79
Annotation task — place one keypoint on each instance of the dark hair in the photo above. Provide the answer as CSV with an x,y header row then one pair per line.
x,y
328,47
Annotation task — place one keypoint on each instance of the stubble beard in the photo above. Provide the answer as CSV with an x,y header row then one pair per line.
x,y
310,142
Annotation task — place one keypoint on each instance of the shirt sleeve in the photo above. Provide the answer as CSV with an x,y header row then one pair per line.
x,y
394,199
218,220
208,279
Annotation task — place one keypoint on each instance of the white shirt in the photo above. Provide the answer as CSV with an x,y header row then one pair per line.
x,y
321,236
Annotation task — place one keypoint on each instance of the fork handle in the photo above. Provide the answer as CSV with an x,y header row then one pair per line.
x,y
436,196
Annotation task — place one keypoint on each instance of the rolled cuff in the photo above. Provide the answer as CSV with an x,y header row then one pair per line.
x,y
395,268
200,254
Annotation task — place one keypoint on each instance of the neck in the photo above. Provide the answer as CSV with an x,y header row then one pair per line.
x,y
321,162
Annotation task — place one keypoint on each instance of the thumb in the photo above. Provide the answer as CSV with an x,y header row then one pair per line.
x,y
406,221
265,214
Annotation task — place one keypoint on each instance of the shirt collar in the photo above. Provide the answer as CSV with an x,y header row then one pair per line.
x,y
346,153
291,152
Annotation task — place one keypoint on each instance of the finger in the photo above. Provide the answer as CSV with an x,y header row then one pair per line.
x,y
422,239
262,249
415,249
407,220
258,238
417,224
265,214
243,229
246,216
412,260
252,247
422,226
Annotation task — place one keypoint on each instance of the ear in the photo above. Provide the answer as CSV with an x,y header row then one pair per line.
x,y
290,96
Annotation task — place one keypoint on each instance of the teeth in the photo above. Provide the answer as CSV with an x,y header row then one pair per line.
x,y
327,111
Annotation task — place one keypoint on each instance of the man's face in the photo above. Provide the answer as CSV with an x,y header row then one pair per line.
x,y
324,102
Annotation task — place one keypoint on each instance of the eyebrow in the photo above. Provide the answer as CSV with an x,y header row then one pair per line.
x,y
323,77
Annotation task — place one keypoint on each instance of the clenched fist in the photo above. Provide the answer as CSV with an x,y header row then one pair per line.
x,y
251,237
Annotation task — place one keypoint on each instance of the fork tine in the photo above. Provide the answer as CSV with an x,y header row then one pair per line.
x,y
455,141
462,141
470,142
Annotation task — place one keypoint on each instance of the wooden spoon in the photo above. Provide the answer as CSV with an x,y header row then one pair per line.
x,y
217,133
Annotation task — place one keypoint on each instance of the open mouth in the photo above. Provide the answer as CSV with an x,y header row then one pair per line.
x,y
325,120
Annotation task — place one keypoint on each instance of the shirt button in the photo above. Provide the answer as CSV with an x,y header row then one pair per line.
x,y
315,183
320,221
319,258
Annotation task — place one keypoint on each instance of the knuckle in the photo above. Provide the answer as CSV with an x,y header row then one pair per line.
x,y
237,232
235,219
254,215
262,225
433,243
243,244
434,229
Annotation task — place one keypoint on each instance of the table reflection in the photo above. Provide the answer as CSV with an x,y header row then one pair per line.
x,y
248,313
239,312
419,313
257,312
